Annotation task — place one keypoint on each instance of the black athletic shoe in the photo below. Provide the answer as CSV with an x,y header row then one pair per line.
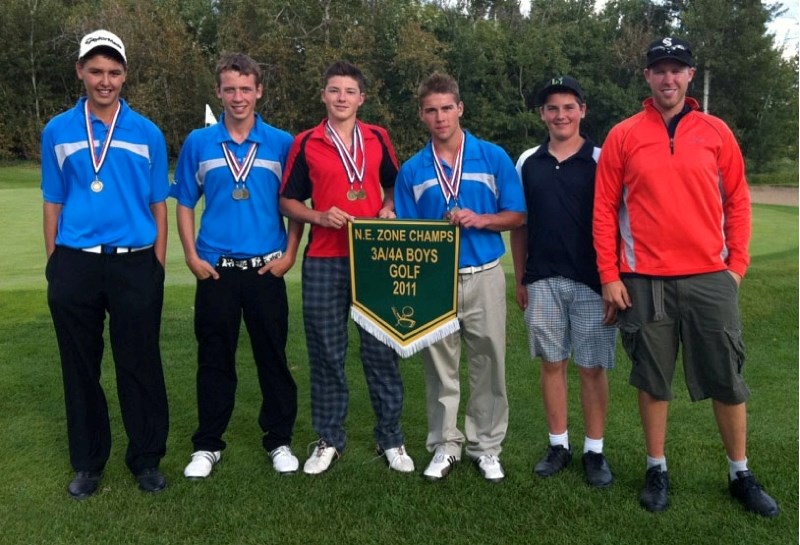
x,y
751,495
555,459
84,484
151,480
595,467
655,494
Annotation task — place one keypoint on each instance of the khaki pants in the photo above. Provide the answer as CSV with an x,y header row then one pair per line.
x,y
482,316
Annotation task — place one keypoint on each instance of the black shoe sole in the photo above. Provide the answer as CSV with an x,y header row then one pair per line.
x,y
81,497
152,490
432,479
545,475
654,508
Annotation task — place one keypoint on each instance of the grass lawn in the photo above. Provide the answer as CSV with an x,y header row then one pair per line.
x,y
359,500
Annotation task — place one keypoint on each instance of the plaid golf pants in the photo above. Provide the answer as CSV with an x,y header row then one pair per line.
x,y
326,304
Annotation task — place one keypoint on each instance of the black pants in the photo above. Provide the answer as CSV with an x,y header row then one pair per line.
x,y
82,288
219,307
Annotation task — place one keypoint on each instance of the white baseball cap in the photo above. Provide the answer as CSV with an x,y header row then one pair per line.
x,y
101,38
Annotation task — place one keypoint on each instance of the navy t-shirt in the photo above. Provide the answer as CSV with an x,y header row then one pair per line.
x,y
560,199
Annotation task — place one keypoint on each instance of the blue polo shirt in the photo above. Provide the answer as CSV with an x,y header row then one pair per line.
x,y
560,199
489,184
234,228
135,175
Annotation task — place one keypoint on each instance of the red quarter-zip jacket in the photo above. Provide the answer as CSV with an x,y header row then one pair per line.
x,y
671,206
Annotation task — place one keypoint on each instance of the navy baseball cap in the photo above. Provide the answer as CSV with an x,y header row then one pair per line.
x,y
675,49
557,85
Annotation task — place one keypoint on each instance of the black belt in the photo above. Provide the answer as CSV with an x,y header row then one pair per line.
x,y
249,263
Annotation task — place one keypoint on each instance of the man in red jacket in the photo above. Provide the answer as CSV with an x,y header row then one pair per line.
x,y
671,229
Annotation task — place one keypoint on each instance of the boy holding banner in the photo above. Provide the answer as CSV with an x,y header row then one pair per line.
x,y
347,168
470,183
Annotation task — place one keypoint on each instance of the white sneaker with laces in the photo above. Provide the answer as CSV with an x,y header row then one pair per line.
x,y
283,460
399,460
440,466
203,461
321,459
490,468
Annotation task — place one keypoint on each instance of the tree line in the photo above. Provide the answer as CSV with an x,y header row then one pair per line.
x,y
500,56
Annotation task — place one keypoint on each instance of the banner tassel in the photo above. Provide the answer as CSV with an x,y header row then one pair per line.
x,y
404,350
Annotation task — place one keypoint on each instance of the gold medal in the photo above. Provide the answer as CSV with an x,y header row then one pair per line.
x,y
245,193
351,159
97,186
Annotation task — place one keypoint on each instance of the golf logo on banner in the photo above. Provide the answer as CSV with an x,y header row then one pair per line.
x,y
403,275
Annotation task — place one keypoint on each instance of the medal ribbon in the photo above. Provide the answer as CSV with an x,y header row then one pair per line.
x,y
97,162
451,185
240,171
350,161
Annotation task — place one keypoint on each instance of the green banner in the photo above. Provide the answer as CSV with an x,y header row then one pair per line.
x,y
403,275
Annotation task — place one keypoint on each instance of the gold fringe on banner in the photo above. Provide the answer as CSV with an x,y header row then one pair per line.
x,y
405,349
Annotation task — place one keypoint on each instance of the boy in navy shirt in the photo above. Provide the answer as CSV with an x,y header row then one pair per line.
x,y
558,287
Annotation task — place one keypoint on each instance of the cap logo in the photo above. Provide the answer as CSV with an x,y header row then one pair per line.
x,y
669,49
557,81
103,39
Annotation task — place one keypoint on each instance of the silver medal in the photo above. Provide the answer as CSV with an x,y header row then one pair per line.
x,y
449,214
97,161
240,170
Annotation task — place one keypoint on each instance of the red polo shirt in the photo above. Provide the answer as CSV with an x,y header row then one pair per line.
x,y
315,171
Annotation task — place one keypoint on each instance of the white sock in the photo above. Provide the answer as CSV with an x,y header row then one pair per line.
x,y
595,445
662,462
734,466
561,439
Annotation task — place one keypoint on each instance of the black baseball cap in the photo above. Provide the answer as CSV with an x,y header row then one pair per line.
x,y
560,84
675,49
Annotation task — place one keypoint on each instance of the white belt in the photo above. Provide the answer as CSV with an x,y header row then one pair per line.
x,y
105,249
479,268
